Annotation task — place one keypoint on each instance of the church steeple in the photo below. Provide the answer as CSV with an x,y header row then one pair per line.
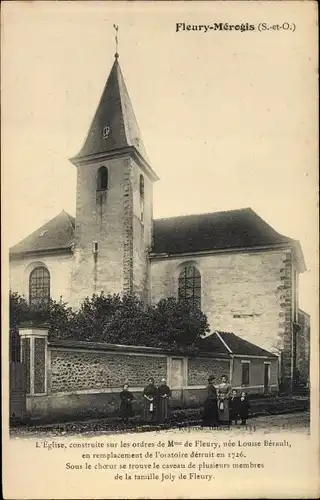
x,y
114,127
113,225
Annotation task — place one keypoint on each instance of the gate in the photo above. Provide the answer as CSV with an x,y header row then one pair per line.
x,y
17,389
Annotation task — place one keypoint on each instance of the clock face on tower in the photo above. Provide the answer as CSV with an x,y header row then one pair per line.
x,y
105,131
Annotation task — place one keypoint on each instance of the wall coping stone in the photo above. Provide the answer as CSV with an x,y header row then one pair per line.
x,y
102,346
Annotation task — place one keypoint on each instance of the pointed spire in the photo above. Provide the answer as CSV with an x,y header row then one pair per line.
x,y
114,125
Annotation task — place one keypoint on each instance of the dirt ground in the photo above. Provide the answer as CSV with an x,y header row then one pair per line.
x,y
297,422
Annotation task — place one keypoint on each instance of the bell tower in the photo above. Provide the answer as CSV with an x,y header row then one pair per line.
x,y
113,227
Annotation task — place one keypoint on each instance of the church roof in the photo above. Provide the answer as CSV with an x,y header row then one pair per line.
x,y
215,231
114,125
57,234
229,343
234,229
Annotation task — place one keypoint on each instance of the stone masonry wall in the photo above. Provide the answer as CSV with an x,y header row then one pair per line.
x,y
112,219
247,293
141,233
76,370
199,370
128,229
86,380
286,321
303,346
100,217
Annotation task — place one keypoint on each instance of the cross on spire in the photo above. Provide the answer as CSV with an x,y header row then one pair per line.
x,y
116,28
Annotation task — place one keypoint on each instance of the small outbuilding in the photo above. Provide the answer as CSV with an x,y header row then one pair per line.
x,y
252,368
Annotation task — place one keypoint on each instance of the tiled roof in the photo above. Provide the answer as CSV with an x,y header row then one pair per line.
x,y
192,233
57,234
226,342
115,112
213,231
212,344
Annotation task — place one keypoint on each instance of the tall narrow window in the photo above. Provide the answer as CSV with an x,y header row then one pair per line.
x,y
39,286
141,186
141,190
102,179
245,376
189,286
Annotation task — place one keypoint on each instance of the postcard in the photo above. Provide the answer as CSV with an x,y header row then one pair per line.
x,y
160,250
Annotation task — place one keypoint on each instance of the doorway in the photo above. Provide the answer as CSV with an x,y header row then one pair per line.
x,y
177,378
176,373
266,378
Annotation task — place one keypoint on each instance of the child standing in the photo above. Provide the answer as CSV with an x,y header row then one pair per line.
x,y
243,408
234,407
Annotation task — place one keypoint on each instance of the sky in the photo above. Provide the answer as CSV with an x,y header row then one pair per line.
x,y
229,119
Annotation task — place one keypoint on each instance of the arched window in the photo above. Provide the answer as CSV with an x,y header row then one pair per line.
x,y
39,286
102,180
141,186
189,286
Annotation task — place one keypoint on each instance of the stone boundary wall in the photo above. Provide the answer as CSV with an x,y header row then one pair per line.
x,y
75,366
75,369
86,378
75,379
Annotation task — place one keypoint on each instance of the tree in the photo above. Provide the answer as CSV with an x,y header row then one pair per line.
x,y
132,323
60,319
169,323
117,319
18,308
56,314
91,319
177,324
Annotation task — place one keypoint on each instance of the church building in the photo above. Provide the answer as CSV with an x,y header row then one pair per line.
x,y
241,272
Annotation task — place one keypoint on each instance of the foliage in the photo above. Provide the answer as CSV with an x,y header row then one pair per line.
x,y
119,320
60,319
131,323
92,317
56,314
177,323
18,308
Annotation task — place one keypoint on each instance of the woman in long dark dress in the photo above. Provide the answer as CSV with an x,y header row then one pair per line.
x,y
210,412
150,399
224,392
164,394
126,398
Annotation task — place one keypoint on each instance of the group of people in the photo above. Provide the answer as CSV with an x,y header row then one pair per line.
x,y
156,402
223,404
